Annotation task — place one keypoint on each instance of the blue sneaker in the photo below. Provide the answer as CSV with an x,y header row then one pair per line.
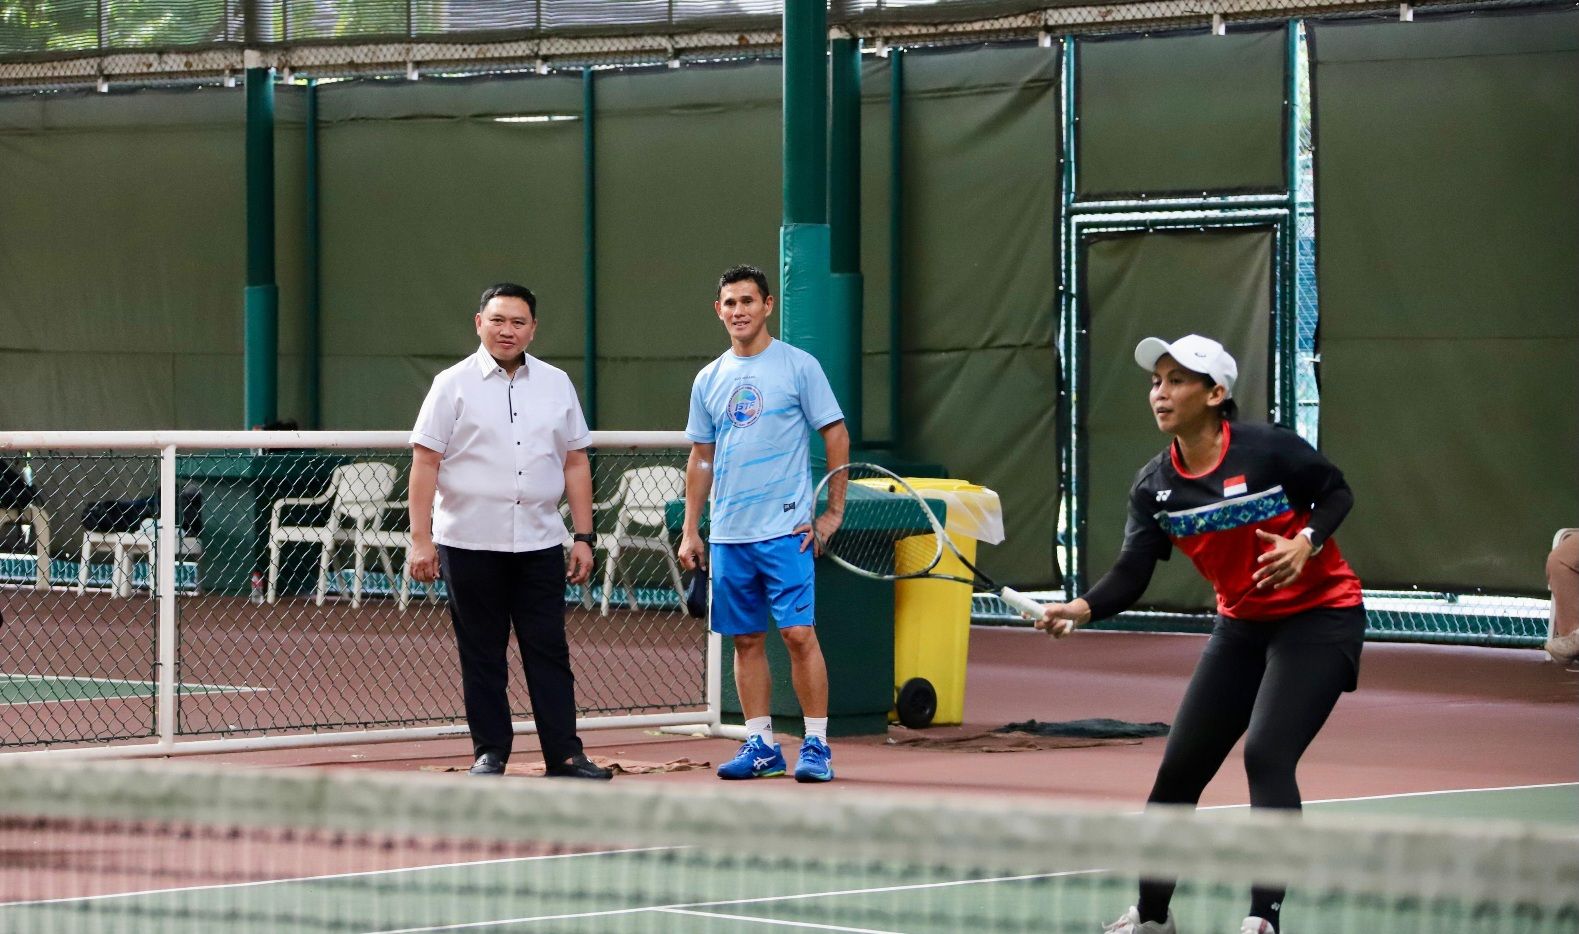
x,y
815,763
756,759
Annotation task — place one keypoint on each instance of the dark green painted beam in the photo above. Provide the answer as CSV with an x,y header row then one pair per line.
x,y
260,351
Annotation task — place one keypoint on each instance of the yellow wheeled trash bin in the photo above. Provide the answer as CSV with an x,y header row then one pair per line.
x,y
932,617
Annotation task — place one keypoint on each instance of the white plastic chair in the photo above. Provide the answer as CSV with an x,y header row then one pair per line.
x,y
36,517
385,540
356,498
640,524
126,548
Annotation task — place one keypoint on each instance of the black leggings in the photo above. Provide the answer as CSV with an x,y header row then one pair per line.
x,y
1273,682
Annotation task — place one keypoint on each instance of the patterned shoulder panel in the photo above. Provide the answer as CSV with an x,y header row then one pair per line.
x,y
1228,514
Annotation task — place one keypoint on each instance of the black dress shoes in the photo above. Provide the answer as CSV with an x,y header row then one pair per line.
x,y
579,767
489,763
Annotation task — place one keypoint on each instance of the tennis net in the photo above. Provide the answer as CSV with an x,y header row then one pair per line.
x,y
169,848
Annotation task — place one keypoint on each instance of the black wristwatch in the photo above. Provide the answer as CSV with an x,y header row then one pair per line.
x,y
591,538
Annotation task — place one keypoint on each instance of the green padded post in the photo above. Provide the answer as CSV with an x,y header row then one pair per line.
x,y
857,641
805,112
808,319
262,299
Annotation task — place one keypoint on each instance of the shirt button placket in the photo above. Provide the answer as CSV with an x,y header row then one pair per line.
x,y
515,431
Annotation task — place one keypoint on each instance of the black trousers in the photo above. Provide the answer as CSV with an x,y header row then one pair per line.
x,y
1274,683
489,593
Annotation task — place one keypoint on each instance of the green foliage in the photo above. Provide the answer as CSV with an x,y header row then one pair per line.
x,y
74,25
48,25
35,26
370,17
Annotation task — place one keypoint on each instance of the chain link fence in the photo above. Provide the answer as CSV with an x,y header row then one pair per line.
x,y
292,610
52,43
80,651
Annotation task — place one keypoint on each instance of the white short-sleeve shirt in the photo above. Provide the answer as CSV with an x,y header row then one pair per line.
x,y
504,440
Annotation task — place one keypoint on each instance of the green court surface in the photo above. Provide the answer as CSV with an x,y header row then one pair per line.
x,y
663,889
1545,804
44,689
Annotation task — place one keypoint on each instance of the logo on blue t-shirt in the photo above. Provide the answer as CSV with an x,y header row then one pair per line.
x,y
745,406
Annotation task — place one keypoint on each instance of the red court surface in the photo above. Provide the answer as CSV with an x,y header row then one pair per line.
x,y
1425,718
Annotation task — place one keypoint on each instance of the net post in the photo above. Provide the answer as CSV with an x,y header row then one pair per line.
x,y
164,572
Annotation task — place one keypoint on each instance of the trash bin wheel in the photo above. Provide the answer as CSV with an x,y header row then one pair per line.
x,y
917,703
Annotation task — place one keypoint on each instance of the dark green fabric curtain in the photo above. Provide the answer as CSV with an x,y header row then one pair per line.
x,y
122,259
1181,114
981,228
1448,204
428,196
1165,284
689,172
876,152
431,192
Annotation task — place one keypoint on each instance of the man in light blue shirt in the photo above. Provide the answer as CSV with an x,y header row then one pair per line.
x,y
752,414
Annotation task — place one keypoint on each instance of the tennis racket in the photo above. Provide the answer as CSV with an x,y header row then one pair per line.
x,y
878,501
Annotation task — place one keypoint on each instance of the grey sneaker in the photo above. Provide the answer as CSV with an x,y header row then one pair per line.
x,y
1129,923
1563,649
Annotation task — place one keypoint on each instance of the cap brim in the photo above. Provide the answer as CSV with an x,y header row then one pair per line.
x,y
1149,351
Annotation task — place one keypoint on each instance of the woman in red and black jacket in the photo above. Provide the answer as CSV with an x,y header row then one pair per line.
x,y
1254,508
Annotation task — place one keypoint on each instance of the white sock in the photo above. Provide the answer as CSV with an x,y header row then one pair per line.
x,y
817,727
760,726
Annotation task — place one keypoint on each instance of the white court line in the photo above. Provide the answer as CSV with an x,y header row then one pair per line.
x,y
739,901
73,678
788,924
1410,794
9,679
4,906
148,688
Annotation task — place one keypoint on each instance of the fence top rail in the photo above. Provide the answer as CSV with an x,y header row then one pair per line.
x,y
230,440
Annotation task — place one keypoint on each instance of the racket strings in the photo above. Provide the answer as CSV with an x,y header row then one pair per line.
x,y
887,528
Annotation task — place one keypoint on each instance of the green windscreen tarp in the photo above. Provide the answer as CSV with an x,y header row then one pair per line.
x,y
1181,114
123,258
980,259
688,185
431,192
1163,284
876,154
1448,203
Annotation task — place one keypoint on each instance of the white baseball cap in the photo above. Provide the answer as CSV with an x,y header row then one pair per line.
x,y
1193,352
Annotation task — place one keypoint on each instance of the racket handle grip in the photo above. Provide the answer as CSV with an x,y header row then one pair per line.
x,y
1020,602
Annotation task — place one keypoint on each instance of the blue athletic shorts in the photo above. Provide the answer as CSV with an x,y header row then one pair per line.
x,y
752,580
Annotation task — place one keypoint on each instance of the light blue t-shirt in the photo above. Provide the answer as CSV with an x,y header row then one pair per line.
x,y
759,412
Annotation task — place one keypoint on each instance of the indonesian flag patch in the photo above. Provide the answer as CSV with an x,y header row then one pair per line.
x,y
1235,486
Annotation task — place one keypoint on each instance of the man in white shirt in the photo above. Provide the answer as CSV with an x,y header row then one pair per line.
x,y
499,439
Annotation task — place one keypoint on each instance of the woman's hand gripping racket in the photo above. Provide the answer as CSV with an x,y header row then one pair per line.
x,y
876,502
